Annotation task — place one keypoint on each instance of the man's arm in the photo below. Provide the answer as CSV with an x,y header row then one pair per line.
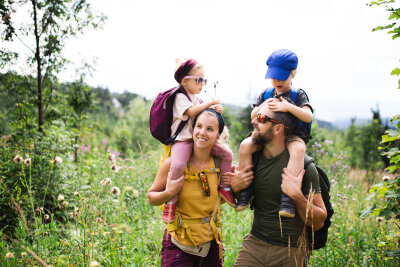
x,y
314,212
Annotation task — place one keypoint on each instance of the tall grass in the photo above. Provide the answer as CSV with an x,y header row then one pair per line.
x,y
103,217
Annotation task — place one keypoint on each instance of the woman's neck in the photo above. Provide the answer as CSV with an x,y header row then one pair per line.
x,y
200,158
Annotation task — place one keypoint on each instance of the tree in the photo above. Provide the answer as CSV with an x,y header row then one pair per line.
x,y
52,23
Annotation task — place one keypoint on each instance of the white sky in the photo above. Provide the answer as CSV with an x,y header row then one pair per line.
x,y
343,66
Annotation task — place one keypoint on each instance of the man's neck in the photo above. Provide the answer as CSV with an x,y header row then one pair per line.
x,y
274,148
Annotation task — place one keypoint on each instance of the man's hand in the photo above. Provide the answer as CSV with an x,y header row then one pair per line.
x,y
243,179
291,184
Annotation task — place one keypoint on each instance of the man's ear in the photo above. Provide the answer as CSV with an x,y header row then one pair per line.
x,y
279,129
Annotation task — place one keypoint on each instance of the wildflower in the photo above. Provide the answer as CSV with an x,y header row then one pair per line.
x,y
385,178
122,248
46,217
111,157
99,220
23,254
94,264
71,215
379,219
58,160
114,168
76,194
135,193
60,198
115,191
27,161
18,159
9,255
328,142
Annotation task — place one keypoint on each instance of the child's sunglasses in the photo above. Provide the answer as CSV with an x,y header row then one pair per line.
x,y
261,118
198,79
204,182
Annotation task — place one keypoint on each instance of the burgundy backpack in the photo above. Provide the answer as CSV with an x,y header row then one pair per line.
x,y
161,116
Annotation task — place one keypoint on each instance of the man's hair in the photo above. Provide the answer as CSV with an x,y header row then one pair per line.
x,y
287,119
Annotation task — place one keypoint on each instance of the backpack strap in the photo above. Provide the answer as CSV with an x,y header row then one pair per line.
x,y
268,93
171,140
216,169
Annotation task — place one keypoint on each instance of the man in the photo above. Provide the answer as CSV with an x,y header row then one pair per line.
x,y
275,241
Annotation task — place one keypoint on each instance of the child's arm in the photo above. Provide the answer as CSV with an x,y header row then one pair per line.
x,y
257,109
282,105
194,110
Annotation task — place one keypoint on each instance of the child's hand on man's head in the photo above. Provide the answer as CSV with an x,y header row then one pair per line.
x,y
279,105
214,100
218,108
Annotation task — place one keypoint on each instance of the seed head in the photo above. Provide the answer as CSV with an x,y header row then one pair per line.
x,y
379,219
18,159
115,191
58,160
9,255
114,168
76,194
60,198
99,220
111,157
106,181
385,178
27,161
46,217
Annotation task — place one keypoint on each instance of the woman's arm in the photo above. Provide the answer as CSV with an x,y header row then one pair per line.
x,y
163,188
291,186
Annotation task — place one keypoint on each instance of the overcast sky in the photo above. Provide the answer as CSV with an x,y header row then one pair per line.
x,y
343,66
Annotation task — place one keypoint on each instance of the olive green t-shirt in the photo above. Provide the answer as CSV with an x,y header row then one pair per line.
x,y
267,189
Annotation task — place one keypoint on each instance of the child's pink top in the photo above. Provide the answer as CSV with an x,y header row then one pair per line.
x,y
181,104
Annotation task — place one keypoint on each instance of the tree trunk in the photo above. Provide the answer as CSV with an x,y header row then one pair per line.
x,y
39,70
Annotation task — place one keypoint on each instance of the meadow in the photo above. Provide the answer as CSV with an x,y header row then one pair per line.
x,y
102,216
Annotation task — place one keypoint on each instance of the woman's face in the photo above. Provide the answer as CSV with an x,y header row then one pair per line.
x,y
205,132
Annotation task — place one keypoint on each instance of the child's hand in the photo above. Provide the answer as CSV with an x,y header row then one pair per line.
x,y
218,108
281,105
214,100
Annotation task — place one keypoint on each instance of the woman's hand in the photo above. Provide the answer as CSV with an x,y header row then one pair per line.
x,y
173,187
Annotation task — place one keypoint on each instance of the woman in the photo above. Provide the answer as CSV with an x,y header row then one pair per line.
x,y
193,239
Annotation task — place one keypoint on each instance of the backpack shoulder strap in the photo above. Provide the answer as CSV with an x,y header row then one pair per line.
x,y
268,93
216,164
293,94
307,161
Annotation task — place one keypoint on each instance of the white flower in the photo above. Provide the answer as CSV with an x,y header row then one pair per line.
x,y
385,178
9,255
23,254
115,191
46,217
76,194
106,181
27,161
18,159
114,168
60,198
94,264
58,160
135,193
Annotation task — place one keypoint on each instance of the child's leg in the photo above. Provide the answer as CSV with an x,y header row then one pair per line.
x,y
247,148
180,154
297,150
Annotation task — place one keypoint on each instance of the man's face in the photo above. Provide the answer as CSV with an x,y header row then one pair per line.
x,y
263,132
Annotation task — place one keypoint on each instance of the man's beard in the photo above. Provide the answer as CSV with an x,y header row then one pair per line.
x,y
260,140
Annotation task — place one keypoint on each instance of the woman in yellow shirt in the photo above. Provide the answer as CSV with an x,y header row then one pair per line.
x,y
192,239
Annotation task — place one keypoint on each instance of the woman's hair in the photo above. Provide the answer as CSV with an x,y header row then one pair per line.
x,y
222,130
221,123
184,67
